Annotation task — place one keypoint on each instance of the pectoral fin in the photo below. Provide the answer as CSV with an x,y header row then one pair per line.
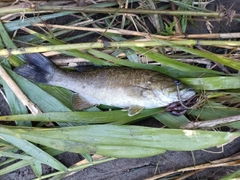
x,y
133,110
79,103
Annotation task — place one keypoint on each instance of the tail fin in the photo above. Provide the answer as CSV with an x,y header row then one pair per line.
x,y
39,68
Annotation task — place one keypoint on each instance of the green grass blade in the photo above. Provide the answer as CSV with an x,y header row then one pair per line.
x,y
9,44
117,116
15,105
213,83
13,167
61,94
114,140
17,156
171,121
213,110
5,37
34,151
37,168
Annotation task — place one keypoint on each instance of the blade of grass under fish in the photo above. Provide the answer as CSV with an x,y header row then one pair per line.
x,y
34,151
63,95
116,116
233,63
213,83
171,121
120,141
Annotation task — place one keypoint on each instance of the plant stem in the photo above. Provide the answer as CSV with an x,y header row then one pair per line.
x,y
128,11
15,9
143,43
136,33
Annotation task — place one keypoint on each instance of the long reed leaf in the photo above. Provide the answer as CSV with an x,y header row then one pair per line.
x,y
117,141
116,116
213,83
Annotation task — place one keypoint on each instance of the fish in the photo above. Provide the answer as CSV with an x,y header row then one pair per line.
x,y
123,87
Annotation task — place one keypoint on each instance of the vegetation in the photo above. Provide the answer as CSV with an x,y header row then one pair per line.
x,y
148,36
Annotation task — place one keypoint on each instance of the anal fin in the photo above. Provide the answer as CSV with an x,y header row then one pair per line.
x,y
133,110
79,103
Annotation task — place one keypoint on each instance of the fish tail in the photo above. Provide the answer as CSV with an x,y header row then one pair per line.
x,y
39,68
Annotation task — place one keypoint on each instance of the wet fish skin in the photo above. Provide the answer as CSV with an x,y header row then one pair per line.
x,y
114,86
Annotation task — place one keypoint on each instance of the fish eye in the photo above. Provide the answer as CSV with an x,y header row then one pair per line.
x,y
177,82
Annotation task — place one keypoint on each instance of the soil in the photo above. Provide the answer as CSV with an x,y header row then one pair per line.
x,y
141,168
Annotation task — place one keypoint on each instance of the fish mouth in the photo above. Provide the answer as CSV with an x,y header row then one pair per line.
x,y
187,93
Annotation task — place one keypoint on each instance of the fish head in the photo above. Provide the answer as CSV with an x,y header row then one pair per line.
x,y
168,91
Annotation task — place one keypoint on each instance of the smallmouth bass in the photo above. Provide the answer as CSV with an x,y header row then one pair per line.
x,y
128,88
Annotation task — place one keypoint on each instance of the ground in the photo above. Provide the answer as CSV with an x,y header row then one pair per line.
x,y
141,168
